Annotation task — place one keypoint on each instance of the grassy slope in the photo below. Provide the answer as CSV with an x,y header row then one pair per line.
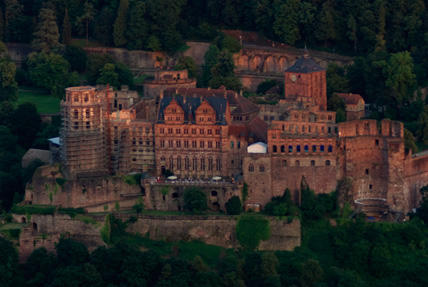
x,y
45,103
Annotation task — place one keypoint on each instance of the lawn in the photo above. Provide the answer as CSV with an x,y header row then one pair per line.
x,y
45,103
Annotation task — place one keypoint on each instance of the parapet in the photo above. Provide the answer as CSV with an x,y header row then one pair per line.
x,y
387,128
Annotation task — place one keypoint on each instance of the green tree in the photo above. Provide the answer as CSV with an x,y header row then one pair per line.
x,y
154,44
120,24
251,229
86,19
94,65
400,75
66,29
325,29
335,102
46,36
352,31
340,116
108,76
223,72
312,273
76,57
8,85
8,264
210,60
185,62
195,199
26,124
286,25
234,206
409,141
12,12
336,80
137,31
104,26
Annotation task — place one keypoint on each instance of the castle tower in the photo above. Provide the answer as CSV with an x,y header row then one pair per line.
x,y
306,81
83,150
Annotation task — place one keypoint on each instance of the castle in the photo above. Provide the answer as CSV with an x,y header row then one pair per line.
x,y
199,134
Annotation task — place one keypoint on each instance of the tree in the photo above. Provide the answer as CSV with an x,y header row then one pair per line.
x,y
195,199
234,206
8,264
120,24
104,26
409,141
251,229
70,252
137,31
12,12
210,60
325,28
8,85
108,76
286,25
76,57
336,80
86,19
46,36
26,124
400,74
185,62
223,72
312,273
335,102
94,65
66,29
153,43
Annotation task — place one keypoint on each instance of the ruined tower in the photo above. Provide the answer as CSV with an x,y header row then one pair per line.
x,y
82,134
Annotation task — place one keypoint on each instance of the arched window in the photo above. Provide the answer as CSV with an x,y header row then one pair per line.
x,y
321,148
140,141
314,148
171,163
330,148
290,148
327,163
162,158
195,163
306,148
231,145
251,167
274,149
134,141
297,163
298,148
179,163
282,148
218,164
261,168
312,163
284,163
202,163
186,163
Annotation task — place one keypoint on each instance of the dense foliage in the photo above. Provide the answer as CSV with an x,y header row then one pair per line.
x,y
195,199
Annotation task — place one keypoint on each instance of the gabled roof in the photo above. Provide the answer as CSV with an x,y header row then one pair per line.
x,y
242,105
305,65
190,104
256,129
351,99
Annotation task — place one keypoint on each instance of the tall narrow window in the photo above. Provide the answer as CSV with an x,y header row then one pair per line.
x,y
179,163
195,163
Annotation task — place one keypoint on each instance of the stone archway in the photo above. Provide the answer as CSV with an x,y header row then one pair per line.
x,y
282,65
256,63
23,220
244,62
270,65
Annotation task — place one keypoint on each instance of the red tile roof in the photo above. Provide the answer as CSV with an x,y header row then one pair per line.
x,y
351,99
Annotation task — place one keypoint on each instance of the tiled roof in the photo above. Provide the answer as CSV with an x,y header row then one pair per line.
x,y
306,66
351,99
256,129
242,105
191,104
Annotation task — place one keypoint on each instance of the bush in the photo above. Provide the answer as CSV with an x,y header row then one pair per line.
x,y
251,229
61,181
234,206
33,209
195,199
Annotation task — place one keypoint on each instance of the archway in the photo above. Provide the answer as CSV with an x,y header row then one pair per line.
x,y
269,65
215,206
23,220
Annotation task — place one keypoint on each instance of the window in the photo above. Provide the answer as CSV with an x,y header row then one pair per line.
x,y
186,131
201,131
134,141
186,163
238,144
162,158
210,144
162,143
76,114
218,164
314,148
202,144
177,119
193,131
297,163
147,130
87,113
261,168
290,148
327,163
298,148
86,98
186,144
274,149
169,119
201,119
284,162
370,187
202,163
251,167
88,125
170,143
171,163
147,142
282,148
76,98
376,142
169,131
367,171
179,163
217,131
210,164
231,145
321,148
161,130
210,131
217,144
312,163
178,143
210,119
194,144
177,131
330,148
306,148
140,141
195,163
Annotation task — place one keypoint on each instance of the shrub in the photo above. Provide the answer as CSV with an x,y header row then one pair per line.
x,y
139,205
234,206
33,209
195,199
251,229
61,181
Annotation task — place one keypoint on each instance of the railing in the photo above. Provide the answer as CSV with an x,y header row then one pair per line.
x,y
194,182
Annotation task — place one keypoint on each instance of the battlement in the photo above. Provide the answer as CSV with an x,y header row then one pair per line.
x,y
387,128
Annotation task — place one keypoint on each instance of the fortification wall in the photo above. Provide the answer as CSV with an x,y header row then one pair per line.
x,y
415,177
84,192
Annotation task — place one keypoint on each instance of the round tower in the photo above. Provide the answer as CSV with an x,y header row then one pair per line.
x,y
83,150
